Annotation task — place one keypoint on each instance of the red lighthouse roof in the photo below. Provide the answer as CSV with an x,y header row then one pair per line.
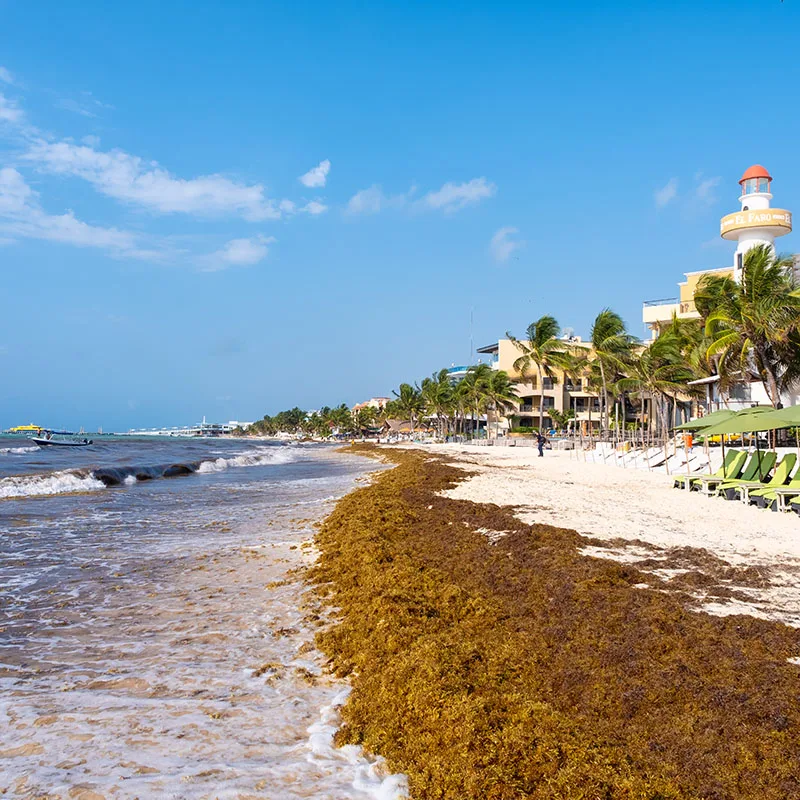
x,y
756,171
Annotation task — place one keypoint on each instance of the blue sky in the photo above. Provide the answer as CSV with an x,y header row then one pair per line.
x,y
227,208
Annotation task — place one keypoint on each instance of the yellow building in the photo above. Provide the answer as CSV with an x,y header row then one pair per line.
x,y
657,314
564,393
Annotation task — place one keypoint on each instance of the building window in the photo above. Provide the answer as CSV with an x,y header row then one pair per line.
x,y
547,383
739,261
750,185
549,402
763,185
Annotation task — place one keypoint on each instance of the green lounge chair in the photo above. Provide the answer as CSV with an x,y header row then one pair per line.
x,y
779,478
722,472
777,499
757,471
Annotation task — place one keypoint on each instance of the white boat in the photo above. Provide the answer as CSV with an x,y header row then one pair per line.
x,y
42,442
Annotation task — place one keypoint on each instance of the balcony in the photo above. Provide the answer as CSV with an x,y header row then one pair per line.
x,y
654,311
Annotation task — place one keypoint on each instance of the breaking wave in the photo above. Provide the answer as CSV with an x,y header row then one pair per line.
x,y
16,450
83,480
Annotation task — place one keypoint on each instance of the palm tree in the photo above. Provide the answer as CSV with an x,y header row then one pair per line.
x,y
473,391
660,371
437,395
754,325
499,395
611,350
543,350
409,403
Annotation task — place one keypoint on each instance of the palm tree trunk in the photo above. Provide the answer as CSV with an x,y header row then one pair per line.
x,y
541,399
603,400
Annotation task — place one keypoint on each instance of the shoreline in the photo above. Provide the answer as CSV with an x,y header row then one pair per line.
x,y
491,657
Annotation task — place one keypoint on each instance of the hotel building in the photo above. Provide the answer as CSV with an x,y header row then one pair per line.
x,y
564,393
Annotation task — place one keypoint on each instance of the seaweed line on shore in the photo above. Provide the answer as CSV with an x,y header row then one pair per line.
x,y
514,666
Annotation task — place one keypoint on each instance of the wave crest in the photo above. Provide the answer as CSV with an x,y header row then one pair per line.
x,y
48,484
71,481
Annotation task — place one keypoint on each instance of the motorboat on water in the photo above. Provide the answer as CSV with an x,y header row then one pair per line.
x,y
42,441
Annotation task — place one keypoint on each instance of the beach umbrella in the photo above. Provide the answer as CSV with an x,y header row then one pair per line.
x,y
749,420
704,422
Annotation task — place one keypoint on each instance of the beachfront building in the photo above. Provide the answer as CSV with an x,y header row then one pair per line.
x,y
378,403
756,223
562,393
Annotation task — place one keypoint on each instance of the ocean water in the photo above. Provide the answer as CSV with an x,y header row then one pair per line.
x,y
156,638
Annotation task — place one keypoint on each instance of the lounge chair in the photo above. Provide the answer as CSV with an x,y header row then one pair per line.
x,y
779,478
757,472
777,498
725,471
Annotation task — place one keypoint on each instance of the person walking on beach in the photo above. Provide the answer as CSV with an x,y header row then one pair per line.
x,y
540,443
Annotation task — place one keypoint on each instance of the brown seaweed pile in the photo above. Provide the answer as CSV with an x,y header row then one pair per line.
x,y
515,667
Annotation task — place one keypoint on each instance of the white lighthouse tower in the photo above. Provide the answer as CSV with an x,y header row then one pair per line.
x,y
756,223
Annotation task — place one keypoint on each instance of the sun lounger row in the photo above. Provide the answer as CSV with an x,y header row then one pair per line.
x,y
761,480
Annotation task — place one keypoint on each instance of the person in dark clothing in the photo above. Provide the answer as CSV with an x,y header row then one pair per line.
x,y
540,443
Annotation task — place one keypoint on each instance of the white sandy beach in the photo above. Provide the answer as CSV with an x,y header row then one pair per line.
x,y
610,503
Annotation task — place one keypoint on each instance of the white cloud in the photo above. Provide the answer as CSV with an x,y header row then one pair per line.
x,y
455,196
704,191
314,208
21,216
287,207
667,193
502,245
368,201
238,253
92,141
451,197
129,178
74,107
316,176
9,111
6,76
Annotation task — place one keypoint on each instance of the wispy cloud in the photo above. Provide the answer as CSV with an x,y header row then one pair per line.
x,y
74,107
371,201
314,208
131,179
704,191
455,196
450,198
9,111
503,245
667,193
22,216
6,76
238,253
316,176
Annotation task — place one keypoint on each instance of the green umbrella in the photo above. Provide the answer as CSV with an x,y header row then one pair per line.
x,y
791,416
704,422
750,420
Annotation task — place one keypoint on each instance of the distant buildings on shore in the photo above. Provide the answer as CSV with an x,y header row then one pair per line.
x,y
201,429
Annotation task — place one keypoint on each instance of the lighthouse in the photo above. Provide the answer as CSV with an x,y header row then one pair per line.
x,y
757,223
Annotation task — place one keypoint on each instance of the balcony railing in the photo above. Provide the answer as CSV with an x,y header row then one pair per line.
x,y
666,301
